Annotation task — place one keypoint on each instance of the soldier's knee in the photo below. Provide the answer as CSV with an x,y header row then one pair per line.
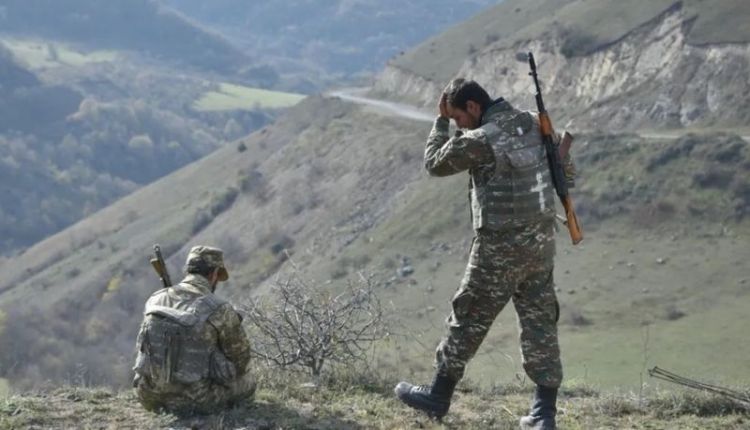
x,y
548,374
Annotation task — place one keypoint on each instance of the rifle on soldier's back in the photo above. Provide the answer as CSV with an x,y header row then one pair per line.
x,y
161,267
554,159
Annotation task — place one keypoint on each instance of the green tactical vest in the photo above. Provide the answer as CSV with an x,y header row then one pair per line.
x,y
173,347
517,188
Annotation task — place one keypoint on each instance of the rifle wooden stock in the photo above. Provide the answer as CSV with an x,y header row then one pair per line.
x,y
156,264
572,220
161,267
545,124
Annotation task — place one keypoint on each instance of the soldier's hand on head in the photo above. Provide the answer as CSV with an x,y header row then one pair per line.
x,y
443,106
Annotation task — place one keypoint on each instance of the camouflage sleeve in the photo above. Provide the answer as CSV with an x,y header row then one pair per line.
x,y
445,156
232,338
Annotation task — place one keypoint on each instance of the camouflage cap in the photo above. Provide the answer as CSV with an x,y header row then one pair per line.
x,y
210,256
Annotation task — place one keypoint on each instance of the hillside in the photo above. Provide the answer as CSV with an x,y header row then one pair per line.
x,y
372,406
325,40
662,64
24,96
340,189
81,128
160,32
653,243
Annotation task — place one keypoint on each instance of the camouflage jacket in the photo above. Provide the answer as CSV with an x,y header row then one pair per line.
x,y
227,349
510,180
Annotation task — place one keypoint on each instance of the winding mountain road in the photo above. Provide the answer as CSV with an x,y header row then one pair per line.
x,y
403,110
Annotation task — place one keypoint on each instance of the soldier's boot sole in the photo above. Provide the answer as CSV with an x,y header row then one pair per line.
x,y
537,423
420,398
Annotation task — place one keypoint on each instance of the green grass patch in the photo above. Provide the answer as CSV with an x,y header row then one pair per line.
x,y
238,97
41,54
4,388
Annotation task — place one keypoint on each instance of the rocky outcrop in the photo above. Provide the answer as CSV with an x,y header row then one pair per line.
x,y
652,77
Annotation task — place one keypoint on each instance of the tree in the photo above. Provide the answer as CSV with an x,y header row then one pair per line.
x,y
302,326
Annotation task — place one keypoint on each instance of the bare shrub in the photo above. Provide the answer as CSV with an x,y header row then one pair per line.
x,y
577,42
253,182
223,200
235,252
713,177
652,214
301,326
673,314
201,220
578,319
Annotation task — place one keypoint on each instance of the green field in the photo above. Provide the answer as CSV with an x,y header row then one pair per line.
x,y
48,54
237,97
4,388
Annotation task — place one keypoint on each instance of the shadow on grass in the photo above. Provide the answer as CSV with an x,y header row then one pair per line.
x,y
266,414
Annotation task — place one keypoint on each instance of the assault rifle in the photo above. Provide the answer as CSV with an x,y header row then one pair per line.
x,y
161,267
554,159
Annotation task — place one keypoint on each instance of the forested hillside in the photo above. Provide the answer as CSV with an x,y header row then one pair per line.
x,y
80,128
135,25
320,37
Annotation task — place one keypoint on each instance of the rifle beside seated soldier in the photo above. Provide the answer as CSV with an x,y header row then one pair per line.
x,y
192,351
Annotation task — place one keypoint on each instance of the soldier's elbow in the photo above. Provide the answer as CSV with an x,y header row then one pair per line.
x,y
432,170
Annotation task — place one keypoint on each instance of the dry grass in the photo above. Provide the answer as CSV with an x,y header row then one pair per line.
x,y
348,402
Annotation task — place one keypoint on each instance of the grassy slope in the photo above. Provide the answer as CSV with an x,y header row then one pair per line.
x,y
231,97
39,54
439,57
373,407
82,261
44,54
584,24
613,280
344,212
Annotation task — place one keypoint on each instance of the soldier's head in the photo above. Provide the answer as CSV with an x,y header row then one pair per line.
x,y
208,262
466,101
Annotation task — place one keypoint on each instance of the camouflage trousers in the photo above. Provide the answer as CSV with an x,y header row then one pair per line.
x,y
516,264
203,397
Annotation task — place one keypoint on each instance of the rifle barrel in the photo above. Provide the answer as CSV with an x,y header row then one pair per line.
x,y
554,160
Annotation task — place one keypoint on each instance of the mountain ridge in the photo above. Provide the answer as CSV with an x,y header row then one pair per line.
x,y
674,83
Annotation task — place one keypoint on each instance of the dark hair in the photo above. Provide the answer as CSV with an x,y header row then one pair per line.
x,y
459,91
199,267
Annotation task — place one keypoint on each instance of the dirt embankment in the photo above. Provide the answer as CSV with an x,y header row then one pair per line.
x,y
652,77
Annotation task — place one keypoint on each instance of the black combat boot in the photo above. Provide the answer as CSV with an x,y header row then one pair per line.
x,y
542,414
433,399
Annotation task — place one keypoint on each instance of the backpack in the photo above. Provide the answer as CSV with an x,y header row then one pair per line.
x,y
172,344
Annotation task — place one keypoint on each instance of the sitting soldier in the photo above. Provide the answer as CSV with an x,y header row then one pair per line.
x,y
192,350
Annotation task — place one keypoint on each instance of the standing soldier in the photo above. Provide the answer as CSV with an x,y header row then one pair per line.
x,y
512,204
192,350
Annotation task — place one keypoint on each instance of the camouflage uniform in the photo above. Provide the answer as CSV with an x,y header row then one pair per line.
x,y
512,203
206,370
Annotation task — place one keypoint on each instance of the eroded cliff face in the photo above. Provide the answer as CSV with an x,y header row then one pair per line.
x,y
651,78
